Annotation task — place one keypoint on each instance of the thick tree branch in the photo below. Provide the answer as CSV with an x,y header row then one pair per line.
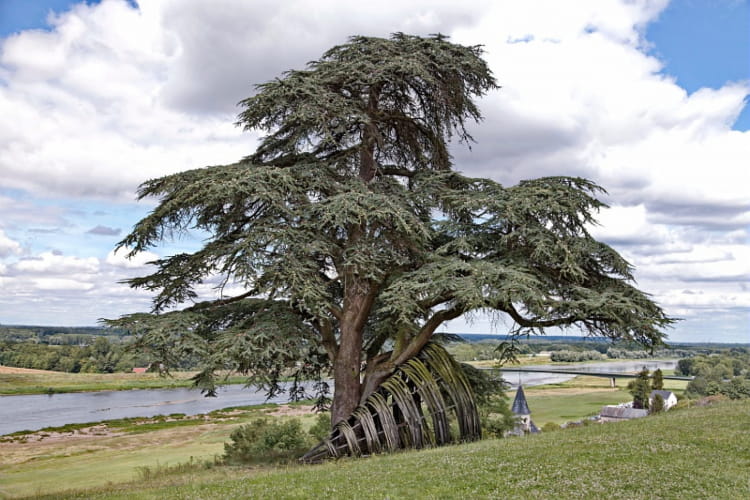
x,y
336,312
223,302
419,340
536,323
373,348
393,170
328,339
435,301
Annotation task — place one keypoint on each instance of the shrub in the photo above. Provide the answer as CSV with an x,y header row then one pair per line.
x,y
496,417
484,384
322,426
551,427
657,405
575,356
264,441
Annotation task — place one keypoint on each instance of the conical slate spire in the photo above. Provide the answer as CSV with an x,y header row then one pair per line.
x,y
520,406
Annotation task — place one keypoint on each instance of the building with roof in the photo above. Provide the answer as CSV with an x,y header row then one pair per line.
x,y
522,412
620,413
668,397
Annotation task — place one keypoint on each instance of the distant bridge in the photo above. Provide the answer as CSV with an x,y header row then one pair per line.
x,y
611,376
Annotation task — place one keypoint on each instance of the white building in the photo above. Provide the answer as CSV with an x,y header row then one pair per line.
x,y
668,396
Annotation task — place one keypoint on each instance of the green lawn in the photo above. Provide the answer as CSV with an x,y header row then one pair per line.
x,y
561,408
689,453
580,397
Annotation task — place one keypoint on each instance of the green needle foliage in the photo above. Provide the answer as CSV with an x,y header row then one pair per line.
x,y
640,389
355,238
657,381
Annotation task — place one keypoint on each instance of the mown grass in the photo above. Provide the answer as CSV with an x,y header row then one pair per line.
x,y
60,382
690,453
580,397
523,360
589,382
560,408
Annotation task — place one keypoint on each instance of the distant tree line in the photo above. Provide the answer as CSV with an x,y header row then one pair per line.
x,y
100,356
575,356
59,335
620,353
726,374
487,349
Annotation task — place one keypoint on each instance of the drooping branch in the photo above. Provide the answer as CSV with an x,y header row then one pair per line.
x,y
536,322
328,338
397,171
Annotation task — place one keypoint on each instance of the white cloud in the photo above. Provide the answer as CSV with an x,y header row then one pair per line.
x,y
49,263
727,263
59,284
620,224
83,114
119,259
50,288
8,246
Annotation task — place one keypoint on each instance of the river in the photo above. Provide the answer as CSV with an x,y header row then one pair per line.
x,y
528,379
38,411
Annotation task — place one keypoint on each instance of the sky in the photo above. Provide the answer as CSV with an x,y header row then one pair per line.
x,y
646,97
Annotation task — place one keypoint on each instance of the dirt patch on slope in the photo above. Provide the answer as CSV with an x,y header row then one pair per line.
x,y
12,370
567,391
291,411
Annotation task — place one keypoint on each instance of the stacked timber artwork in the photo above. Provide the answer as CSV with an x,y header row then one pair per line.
x,y
426,402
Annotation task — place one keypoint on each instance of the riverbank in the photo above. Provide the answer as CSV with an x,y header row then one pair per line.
x,y
23,381
118,451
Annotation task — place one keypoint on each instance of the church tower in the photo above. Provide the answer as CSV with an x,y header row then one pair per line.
x,y
521,410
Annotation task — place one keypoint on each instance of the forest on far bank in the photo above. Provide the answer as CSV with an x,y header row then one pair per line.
x,y
106,350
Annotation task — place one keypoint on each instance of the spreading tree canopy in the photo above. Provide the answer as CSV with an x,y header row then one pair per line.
x,y
353,238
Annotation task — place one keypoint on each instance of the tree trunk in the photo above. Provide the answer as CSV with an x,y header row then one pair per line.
x,y
346,369
348,363
358,298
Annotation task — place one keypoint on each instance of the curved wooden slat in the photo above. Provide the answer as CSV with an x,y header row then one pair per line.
x,y
393,417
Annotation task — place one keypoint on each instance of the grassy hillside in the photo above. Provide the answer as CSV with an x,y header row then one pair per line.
x,y
690,453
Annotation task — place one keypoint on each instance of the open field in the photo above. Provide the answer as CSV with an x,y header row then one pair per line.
x,y
589,382
689,453
523,360
15,381
12,370
571,405
108,454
